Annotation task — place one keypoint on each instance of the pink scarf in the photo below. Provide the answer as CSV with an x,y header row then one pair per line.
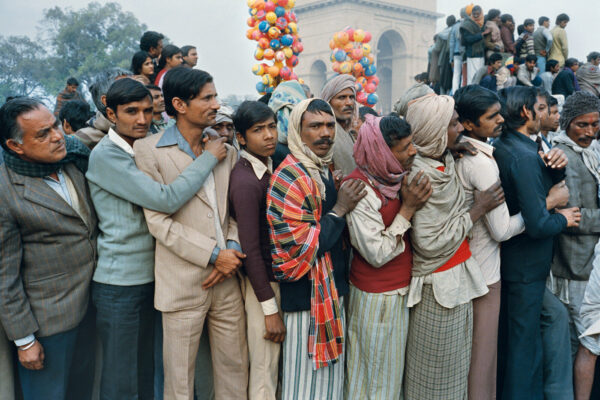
x,y
375,159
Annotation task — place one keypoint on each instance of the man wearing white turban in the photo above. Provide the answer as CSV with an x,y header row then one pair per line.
x,y
445,277
340,93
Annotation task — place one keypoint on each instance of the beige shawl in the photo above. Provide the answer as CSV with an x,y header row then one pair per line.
x,y
429,117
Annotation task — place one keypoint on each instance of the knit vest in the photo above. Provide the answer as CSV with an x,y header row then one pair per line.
x,y
395,274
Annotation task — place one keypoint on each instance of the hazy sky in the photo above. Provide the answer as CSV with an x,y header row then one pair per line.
x,y
217,28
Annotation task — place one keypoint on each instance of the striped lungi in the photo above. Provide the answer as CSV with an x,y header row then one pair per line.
x,y
438,352
300,381
377,332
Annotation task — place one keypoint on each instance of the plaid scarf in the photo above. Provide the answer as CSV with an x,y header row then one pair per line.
x,y
294,211
77,153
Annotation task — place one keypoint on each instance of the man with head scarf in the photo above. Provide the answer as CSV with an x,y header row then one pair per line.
x,y
285,96
472,35
306,220
340,93
445,277
588,75
380,271
414,92
224,123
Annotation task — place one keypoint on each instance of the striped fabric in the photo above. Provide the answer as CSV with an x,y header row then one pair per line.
x,y
375,348
438,352
301,381
293,211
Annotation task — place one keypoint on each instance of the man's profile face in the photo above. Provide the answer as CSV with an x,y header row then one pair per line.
x,y
530,28
192,58
154,52
72,88
555,69
510,24
497,65
42,142
575,67
546,24
317,131
132,120
584,128
550,121
530,65
158,101
343,104
202,109
563,24
595,61
489,124
455,130
541,111
404,151
225,129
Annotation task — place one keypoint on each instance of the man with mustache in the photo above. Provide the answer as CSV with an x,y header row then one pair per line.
x,y
123,282
574,254
197,247
256,131
306,213
340,93
47,247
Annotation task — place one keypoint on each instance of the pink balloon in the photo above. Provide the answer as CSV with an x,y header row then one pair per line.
x,y
361,97
368,37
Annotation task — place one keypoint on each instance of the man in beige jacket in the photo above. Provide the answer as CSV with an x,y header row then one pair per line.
x,y
560,45
197,250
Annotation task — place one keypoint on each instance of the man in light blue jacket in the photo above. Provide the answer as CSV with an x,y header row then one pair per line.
x,y
123,282
456,51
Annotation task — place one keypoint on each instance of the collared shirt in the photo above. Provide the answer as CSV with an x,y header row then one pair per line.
x,y
258,166
479,172
119,141
59,186
546,146
174,137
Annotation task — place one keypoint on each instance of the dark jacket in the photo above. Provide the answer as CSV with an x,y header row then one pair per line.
x,y
472,38
526,182
575,246
564,83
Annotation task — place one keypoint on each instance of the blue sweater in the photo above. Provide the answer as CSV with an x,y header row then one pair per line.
x,y
119,192
526,182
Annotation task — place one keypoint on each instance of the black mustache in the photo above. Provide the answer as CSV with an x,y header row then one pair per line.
x,y
349,108
323,141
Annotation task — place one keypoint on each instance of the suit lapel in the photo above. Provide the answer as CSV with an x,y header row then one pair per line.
x,y
181,162
221,173
79,183
37,191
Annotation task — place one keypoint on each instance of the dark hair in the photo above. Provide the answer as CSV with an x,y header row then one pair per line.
x,y
102,83
494,57
476,8
72,82
571,62
125,91
393,129
592,56
167,52
551,64
186,49
138,59
450,20
541,92
541,20
492,13
153,87
9,112
150,39
552,101
265,98
518,60
520,29
472,101
364,110
317,106
562,17
506,17
515,98
185,83
250,113
530,57
528,22
76,113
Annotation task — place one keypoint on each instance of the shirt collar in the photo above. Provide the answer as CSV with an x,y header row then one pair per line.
x,y
120,142
172,137
483,147
258,166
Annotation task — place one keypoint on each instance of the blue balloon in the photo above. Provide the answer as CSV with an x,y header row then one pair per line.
x,y
269,89
260,87
370,70
275,44
279,11
372,99
364,62
287,40
264,26
340,55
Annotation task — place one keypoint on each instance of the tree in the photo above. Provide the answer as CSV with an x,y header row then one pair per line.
x,y
21,71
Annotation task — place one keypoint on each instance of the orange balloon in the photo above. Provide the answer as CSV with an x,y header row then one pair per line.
x,y
268,54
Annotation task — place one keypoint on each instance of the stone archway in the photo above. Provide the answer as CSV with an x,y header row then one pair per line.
x,y
317,77
391,69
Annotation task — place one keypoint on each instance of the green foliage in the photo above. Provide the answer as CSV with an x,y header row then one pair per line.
x,y
79,43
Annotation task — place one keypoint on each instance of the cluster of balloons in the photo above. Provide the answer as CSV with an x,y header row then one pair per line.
x,y
351,54
273,25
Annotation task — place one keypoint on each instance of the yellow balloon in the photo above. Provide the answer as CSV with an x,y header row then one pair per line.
x,y
345,67
267,80
288,52
271,17
366,49
291,4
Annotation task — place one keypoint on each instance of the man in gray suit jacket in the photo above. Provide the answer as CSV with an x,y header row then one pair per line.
x,y
47,245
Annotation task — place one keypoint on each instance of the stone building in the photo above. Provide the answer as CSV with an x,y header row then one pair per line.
x,y
402,32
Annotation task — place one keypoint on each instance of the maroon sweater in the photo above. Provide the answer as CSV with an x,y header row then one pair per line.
x,y
248,199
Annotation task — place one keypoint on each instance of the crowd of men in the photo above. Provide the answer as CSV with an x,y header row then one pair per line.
x,y
482,49
301,247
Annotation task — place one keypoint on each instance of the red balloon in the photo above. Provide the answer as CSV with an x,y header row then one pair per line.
x,y
361,97
270,6
368,37
292,61
370,88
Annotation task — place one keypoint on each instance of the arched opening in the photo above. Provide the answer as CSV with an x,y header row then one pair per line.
x,y
391,69
317,77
